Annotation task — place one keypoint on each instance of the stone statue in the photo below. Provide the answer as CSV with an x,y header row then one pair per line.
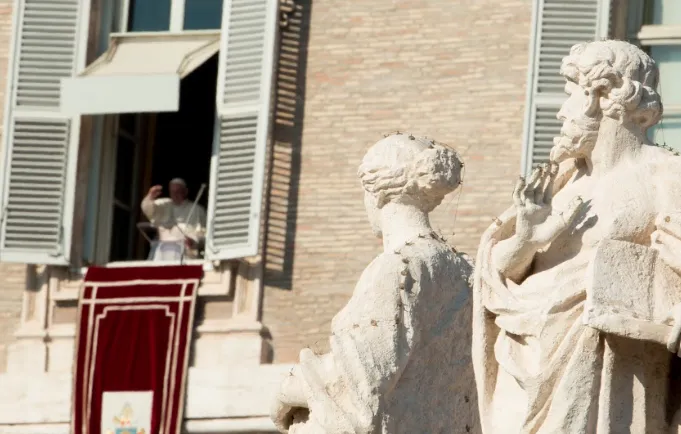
x,y
393,360
576,320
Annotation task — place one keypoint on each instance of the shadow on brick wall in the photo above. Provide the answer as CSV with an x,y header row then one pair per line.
x,y
286,143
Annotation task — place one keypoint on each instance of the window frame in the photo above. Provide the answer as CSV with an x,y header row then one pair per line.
x,y
176,16
650,35
109,189
177,9
216,252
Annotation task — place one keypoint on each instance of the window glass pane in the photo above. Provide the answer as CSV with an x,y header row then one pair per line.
x,y
668,131
108,25
668,59
149,15
202,14
666,12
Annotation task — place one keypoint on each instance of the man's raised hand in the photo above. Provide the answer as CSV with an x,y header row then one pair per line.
x,y
155,191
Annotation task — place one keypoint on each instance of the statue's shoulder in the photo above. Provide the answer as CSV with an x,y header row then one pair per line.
x,y
659,173
423,256
440,261
384,266
661,166
667,164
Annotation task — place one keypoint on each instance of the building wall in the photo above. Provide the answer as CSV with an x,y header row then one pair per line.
x,y
452,71
12,276
349,72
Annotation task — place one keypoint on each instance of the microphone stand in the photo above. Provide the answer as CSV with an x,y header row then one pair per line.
x,y
189,216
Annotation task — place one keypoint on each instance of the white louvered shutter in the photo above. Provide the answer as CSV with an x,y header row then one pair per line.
x,y
558,25
245,77
40,144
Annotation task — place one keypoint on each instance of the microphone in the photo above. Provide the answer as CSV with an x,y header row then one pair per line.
x,y
189,216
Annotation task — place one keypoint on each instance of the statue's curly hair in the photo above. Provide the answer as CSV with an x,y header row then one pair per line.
x,y
619,79
408,169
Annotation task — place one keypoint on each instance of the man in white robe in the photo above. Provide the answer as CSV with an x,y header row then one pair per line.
x,y
180,223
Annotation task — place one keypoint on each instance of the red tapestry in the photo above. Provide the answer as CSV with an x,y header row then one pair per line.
x,y
132,349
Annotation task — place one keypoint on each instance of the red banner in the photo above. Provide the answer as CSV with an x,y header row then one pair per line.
x,y
132,349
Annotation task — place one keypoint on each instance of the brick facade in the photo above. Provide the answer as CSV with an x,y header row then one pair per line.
x,y
453,71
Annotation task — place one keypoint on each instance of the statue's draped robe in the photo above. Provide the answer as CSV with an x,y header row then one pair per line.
x,y
394,365
539,369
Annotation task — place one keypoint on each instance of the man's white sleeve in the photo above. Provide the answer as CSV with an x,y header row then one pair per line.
x,y
154,209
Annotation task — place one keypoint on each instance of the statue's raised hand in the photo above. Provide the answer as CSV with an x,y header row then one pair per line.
x,y
537,222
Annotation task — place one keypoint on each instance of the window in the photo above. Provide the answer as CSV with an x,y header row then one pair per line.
x,y
179,115
551,41
149,15
128,143
657,28
149,149
172,15
202,14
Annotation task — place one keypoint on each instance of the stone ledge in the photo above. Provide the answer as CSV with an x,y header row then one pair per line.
x,y
234,396
257,425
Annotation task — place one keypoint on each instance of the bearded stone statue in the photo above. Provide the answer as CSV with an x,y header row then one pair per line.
x,y
576,321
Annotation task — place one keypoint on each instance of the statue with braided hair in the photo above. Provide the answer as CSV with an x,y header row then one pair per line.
x,y
393,365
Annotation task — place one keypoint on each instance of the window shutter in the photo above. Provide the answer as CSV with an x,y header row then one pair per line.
x,y
557,26
245,75
40,144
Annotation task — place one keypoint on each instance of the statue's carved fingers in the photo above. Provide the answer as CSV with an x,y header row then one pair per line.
x,y
545,185
528,191
518,192
553,174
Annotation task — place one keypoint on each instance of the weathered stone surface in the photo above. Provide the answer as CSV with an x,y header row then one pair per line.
x,y
563,341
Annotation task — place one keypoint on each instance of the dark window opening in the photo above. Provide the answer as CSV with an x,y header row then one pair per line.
x,y
177,144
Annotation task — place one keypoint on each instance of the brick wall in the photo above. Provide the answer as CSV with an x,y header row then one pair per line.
x,y
12,276
454,71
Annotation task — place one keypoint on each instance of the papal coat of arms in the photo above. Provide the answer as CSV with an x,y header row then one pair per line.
x,y
125,422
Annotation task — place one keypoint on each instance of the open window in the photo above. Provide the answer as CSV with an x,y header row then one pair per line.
x,y
193,104
147,149
189,103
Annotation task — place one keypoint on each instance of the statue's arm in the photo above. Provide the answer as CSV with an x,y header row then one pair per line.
x,y
367,355
369,347
513,258
537,223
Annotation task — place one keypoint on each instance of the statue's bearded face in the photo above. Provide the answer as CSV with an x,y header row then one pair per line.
x,y
580,125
